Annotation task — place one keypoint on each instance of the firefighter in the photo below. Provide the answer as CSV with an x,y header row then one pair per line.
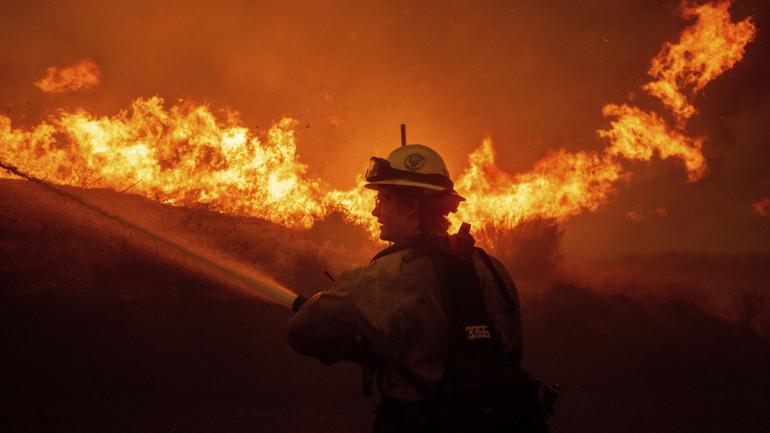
x,y
434,321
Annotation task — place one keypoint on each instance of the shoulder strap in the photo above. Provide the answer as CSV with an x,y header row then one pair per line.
x,y
498,278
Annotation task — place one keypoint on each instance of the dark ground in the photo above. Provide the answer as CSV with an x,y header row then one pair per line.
x,y
100,334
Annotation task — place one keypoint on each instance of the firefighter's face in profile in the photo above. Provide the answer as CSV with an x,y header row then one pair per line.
x,y
397,217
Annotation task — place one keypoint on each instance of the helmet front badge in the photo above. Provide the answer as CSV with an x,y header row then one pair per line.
x,y
414,162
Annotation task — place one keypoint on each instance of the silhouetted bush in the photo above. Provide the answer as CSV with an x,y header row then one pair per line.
x,y
530,251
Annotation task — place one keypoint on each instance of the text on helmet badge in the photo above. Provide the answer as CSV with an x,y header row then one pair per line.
x,y
414,161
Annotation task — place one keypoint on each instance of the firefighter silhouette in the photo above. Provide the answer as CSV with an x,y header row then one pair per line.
x,y
433,319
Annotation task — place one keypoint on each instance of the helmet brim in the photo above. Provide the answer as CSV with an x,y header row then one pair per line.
x,y
380,184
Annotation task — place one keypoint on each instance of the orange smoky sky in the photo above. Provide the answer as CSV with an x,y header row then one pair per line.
x,y
532,75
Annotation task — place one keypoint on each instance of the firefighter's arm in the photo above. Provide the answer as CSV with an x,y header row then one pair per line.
x,y
323,326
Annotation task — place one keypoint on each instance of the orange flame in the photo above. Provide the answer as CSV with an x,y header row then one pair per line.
x,y
560,185
182,155
564,184
82,75
705,50
638,135
185,155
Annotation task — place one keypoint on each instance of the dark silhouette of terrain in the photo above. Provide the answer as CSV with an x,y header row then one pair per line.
x,y
102,332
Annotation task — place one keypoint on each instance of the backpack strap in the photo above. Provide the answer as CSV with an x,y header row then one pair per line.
x,y
447,251
498,278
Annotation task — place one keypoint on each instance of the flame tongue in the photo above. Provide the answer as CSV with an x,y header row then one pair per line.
x,y
565,184
83,75
639,135
181,156
185,155
705,50
560,185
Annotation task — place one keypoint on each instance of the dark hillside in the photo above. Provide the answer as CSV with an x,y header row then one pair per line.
x,y
103,335
100,332
647,364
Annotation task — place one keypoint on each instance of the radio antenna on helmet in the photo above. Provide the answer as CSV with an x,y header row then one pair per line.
x,y
403,134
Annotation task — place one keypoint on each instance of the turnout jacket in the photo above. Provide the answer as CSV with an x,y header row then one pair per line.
x,y
392,312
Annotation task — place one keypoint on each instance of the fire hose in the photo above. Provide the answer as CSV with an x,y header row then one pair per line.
x,y
262,285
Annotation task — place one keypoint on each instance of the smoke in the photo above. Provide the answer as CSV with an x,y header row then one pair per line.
x,y
761,207
229,272
534,76
563,184
733,287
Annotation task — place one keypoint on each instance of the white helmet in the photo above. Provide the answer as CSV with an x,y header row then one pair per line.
x,y
412,165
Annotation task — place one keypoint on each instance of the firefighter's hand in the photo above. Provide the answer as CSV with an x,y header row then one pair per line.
x,y
297,304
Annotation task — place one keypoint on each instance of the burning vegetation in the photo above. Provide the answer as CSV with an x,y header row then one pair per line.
x,y
184,154
83,75
152,332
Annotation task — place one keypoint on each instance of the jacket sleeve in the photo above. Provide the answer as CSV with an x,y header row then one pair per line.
x,y
324,327
389,309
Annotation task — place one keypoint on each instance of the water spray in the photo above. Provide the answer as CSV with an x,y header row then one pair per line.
x,y
255,284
